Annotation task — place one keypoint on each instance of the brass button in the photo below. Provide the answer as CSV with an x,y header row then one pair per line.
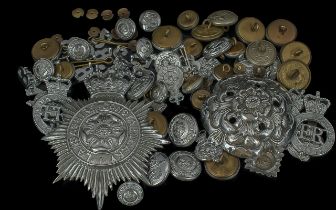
x,y
207,32
191,83
223,18
281,32
295,50
261,53
64,69
236,50
94,32
294,74
187,20
166,37
250,29
106,14
45,48
123,13
222,71
239,68
159,122
227,168
198,98
57,37
92,14
193,47
77,13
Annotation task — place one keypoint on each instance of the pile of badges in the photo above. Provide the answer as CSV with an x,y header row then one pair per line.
x,y
249,91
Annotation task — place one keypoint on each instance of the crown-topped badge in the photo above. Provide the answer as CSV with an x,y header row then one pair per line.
x,y
57,85
316,104
109,83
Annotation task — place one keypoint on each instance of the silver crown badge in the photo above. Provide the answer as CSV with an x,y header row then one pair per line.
x,y
57,85
316,104
107,83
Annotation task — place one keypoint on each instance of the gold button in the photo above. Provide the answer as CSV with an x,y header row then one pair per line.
x,y
166,37
187,20
207,32
198,98
123,13
222,71
45,48
64,69
227,168
191,83
236,50
294,74
106,14
250,29
77,13
295,50
94,32
281,32
159,122
92,14
193,47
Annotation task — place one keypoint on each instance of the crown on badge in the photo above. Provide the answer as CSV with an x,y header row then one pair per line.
x,y
57,85
98,82
316,103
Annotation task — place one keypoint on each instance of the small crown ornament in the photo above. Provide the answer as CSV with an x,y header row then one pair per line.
x,y
57,85
316,104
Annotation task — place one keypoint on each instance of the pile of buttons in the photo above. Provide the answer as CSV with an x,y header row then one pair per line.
x,y
249,91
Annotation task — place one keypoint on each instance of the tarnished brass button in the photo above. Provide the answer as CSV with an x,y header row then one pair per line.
x,y
236,50
281,32
187,20
294,74
106,14
198,98
193,47
45,48
166,37
77,13
159,122
207,32
92,14
64,69
227,168
295,50
250,29
222,71
94,32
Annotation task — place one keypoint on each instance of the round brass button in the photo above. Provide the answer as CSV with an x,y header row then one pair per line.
x,y
191,83
94,32
77,13
166,37
123,13
106,14
193,47
64,69
207,32
281,32
159,122
187,20
236,50
45,48
250,29
92,14
198,98
295,50
222,71
227,168
294,74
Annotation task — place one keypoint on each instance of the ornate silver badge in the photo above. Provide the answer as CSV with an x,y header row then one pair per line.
x,y
184,166
125,28
149,20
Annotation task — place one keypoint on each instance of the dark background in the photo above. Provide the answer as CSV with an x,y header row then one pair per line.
x,y
31,165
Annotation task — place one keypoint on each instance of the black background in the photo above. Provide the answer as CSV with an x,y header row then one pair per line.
x,y
31,165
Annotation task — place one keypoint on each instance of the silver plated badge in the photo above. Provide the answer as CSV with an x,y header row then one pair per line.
x,y
79,49
149,20
183,130
43,69
159,169
217,47
250,117
184,166
130,193
125,28
144,48
102,142
165,59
